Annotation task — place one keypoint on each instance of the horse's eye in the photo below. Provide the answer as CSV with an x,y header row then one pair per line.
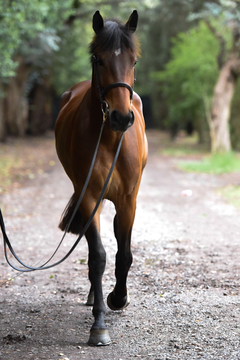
x,y
135,63
100,62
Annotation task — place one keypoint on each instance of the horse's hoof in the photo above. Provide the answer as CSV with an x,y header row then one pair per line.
x,y
90,300
113,307
99,338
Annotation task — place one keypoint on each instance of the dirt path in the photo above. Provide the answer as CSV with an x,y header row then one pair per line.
x,y
184,282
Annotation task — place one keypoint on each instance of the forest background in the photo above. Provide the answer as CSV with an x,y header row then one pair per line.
x,y
187,73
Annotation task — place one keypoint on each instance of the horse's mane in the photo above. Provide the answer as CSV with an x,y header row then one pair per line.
x,y
113,36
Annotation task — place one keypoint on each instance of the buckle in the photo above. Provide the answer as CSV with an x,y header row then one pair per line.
x,y
105,110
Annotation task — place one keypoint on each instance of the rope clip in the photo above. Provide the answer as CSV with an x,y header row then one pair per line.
x,y
105,110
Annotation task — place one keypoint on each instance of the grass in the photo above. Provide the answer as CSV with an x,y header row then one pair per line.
x,y
180,151
231,194
196,158
218,164
214,164
24,159
182,146
7,164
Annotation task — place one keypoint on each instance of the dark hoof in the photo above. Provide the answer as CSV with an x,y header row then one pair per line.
x,y
115,308
90,300
99,338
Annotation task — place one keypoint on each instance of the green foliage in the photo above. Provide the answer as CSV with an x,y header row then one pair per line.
x,y
71,63
223,19
227,10
26,27
215,164
36,29
190,75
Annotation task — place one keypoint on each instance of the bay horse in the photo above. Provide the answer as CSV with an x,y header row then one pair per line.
x,y
107,97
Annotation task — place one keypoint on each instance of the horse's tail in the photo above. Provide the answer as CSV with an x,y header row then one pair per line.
x,y
76,223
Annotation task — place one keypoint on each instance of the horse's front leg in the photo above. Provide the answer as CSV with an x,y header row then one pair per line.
x,y
96,262
123,222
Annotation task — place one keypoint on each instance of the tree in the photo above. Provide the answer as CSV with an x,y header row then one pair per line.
x,y
188,79
158,25
229,65
27,38
31,33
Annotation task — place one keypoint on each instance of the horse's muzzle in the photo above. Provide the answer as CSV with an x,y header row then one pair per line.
x,y
119,122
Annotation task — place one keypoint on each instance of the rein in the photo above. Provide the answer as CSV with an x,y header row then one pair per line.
x,y
105,111
7,242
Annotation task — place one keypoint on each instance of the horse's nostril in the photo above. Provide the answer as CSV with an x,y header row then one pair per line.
x,y
132,117
116,115
119,122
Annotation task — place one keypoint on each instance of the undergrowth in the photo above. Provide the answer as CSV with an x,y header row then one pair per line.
x,y
214,164
7,164
231,193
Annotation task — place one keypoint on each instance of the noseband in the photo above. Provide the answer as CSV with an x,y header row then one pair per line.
x,y
103,91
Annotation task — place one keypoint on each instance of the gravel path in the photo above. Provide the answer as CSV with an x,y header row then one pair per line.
x,y
184,282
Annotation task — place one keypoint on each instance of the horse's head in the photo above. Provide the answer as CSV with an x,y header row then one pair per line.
x,y
114,56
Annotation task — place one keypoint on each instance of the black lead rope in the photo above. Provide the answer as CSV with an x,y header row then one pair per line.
x,y
105,110
7,243
73,214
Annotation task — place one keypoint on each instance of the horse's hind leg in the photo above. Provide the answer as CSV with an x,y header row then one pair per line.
x,y
123,222
96,262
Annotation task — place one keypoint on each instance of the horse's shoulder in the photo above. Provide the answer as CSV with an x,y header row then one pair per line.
x,y
76,90
65,98
137,102
82,86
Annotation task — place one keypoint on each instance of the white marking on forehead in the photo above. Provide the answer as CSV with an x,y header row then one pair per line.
x,y
118,52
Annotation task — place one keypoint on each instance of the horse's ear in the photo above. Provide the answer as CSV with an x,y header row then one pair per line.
x,y
132,21
98,22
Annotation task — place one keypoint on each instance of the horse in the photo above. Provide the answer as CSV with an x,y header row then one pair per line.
x,y
108,98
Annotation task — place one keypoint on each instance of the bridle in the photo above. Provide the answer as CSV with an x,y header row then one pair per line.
x,y
105,109
103,91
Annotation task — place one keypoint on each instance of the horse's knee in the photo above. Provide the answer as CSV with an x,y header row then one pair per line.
x,y
97,261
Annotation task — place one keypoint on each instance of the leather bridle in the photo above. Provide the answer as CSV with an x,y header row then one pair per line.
x,y
103,91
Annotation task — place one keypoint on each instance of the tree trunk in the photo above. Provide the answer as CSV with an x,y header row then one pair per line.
x,y
16,104
2,118
40,109
221,106
202,130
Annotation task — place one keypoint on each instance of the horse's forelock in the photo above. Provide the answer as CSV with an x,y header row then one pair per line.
x,y
114,36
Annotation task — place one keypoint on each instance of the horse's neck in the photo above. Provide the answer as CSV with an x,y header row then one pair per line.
x,y
109,137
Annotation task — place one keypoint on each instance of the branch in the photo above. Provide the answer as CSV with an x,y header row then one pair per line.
x,y
235,66
83,15
72,17
222,43
236,39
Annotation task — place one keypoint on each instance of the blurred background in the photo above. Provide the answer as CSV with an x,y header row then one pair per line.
x,y
187,74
